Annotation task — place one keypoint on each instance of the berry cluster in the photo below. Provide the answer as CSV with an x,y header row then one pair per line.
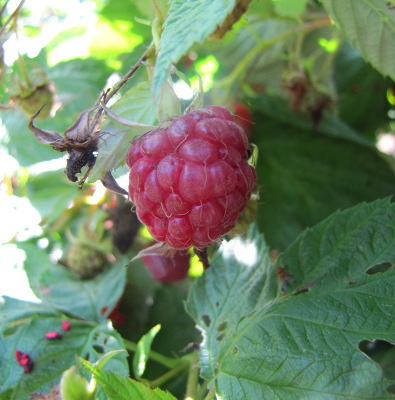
x,y
191,180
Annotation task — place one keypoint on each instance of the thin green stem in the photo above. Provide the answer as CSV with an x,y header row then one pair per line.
x,y
158,11
211,393
261,46
23,70
14,15
170,374
193,377
161,359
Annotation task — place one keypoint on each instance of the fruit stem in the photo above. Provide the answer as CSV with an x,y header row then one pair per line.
x,y
161,359
203,257
169,374
193,377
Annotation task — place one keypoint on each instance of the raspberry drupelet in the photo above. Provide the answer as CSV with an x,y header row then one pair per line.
x,y
191,180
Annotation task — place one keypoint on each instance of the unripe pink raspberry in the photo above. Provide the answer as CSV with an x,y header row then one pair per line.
x,y
172,268
191,180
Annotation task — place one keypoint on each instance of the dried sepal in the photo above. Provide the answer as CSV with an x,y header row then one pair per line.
x,y
124,121
110,183
157,249
45,137
80,141
84,128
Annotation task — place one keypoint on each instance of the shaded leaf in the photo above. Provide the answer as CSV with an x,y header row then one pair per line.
x,y
293,9
305,176
357,84
52,357
14,309
369,25
90,299
50,193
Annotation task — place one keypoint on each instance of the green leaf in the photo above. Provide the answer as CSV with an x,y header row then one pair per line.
x,y
169,104
267,67
78,84
103,360
73,386
229,291
143,349
119,388
369,25
13,309
188,22
304,345
306,176
52,357
90,299
293,9
357,83
50,193
135,105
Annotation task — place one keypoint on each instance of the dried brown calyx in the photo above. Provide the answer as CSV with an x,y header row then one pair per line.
x,y
80,141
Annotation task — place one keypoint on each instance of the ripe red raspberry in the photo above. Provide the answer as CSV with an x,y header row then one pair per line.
x,y
191,180
172,268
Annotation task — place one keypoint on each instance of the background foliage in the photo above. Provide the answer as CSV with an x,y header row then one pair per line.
x,y
299,303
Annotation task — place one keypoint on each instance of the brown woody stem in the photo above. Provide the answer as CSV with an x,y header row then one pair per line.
x,y
106,96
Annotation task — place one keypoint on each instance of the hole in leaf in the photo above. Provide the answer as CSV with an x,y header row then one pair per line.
x,y
383,353
206,319
382,267
99,348
222,326
220,337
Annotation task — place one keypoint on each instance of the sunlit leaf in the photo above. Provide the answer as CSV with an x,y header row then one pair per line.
x,y
188,22
305,340
142,353
135,105
119,388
